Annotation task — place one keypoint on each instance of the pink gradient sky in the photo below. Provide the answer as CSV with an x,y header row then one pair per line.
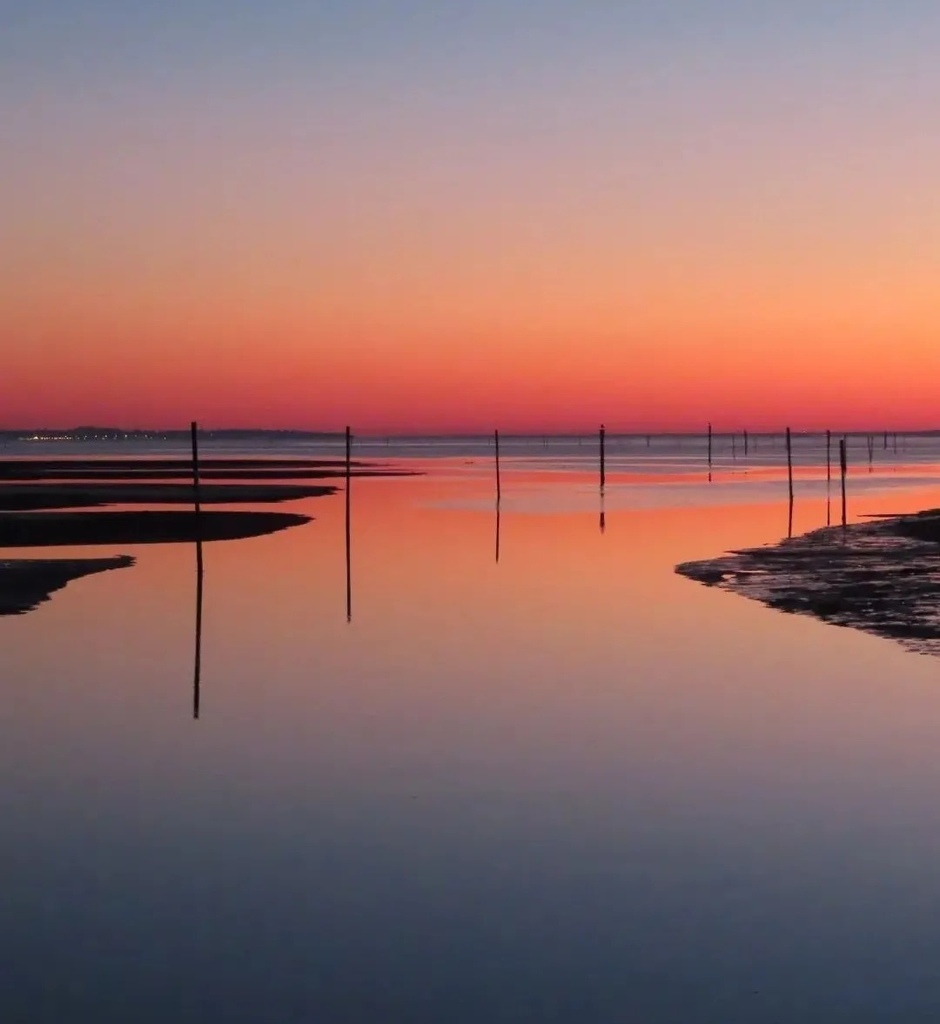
x,y
462,221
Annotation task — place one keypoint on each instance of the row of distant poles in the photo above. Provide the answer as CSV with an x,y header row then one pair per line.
x,y
746,441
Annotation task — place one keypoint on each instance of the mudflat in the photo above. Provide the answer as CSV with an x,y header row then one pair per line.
x,y
51,529
26,583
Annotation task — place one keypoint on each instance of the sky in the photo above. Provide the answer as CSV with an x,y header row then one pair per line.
x,y
451,215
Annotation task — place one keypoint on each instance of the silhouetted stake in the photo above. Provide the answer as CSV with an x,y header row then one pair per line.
x,y
709,447
194,437
745,444
871,450
603,518
348,526
886,440
828,456
843,467
499,491
790,465
194,431
790,517
197,658
601,438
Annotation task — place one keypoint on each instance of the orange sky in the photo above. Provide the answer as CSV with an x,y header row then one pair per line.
x,y
650,230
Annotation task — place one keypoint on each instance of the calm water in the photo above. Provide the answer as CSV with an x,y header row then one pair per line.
x,y
567,785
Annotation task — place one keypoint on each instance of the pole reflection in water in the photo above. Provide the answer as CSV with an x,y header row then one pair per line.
x,y
497,530
197,657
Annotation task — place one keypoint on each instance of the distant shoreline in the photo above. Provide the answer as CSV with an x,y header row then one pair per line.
x,y
122,435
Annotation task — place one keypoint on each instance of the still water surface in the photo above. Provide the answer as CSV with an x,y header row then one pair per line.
x,y
569,785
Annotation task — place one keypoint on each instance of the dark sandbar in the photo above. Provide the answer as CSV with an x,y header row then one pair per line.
x,y
882,577
49,529
88,495
26,583
163,469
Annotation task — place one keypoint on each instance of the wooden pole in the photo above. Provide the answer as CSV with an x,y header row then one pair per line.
x,y
709,446
194,431
602,437
197,505
828,456
790,465
499,491
745,444
348,526
843,467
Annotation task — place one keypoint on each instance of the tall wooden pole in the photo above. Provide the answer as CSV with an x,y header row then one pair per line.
x,y
601,438
709,446
194,432
843,467
499,491
197,505
790,464
745,444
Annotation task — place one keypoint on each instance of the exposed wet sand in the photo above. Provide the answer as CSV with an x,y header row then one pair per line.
x,y
27,583
51,529
881,576
33,496
178,469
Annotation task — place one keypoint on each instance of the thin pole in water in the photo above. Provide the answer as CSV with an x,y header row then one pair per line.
x,y
197,658
709,446
828,456
843,466
499,492
197,505
601,438
194,431
790,465
745,444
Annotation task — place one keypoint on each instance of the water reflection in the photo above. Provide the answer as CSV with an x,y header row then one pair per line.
x,y
197,655
348,527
